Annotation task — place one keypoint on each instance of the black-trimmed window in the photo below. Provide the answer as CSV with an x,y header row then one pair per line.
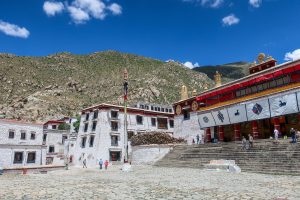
x,y
186,115
44,137
18,157
83,141
54,127
23,135
86,126
87,116
153,121
51,149
139,119
91,142
32,135
171,122
96,112
11,134
114,126
31,156
114,114
94,126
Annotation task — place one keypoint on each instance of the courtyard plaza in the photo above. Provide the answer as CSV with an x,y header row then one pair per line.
x,y
148,182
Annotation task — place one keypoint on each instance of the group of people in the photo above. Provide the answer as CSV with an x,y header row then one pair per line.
x,y
247,144
293,133
101,163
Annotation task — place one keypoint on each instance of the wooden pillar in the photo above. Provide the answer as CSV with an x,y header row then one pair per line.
x,y
208,135
237,132
221,133
276,121
254,129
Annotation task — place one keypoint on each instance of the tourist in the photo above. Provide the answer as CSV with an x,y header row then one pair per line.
x,y
100,163
193,141
244,142
106,164
250,140
293,134
276,134
84,163
198,139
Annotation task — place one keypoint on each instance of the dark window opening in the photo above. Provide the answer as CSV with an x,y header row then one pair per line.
x,y
186,115
86,126
139,119
171,123
18,157
32,136
23,135
153,121
54,126
64,138
94,126
114,126
162,123
95,114
83,141
163,110
114,114
11,134
51,149
31,157
115,156
87,116
92,138
44,137
114,140
152,108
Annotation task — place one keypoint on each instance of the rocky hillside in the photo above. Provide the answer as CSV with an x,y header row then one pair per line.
x,y
230,71
42,88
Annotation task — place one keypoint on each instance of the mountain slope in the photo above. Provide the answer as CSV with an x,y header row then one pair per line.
x,y
230,71
41,88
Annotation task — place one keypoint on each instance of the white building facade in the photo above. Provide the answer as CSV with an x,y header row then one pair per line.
x,y
21,144
101,132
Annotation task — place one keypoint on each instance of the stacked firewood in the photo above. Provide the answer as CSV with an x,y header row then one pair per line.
x,y
154,138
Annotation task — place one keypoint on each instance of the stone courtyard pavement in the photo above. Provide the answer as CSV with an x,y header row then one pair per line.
x,y
147,182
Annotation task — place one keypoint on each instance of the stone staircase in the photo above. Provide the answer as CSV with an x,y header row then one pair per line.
x,y
265,157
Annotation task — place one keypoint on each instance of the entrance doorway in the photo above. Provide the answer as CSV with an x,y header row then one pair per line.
x,y
115,155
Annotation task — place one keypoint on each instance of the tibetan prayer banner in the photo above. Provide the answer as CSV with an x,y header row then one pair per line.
x,y
206,120
281,105
258,109
221,117
237,113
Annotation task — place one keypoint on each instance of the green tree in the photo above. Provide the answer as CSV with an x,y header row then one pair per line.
x,y
77,123
64,126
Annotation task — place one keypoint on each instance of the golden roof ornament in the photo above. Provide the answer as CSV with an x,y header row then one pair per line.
x,y
218,79
194,93
261,58
184,93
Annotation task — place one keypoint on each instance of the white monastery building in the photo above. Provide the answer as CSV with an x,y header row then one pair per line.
x,y
101,132
21,144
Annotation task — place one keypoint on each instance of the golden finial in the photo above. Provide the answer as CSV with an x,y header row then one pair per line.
x,y
261,58
184,93
218,79
194,93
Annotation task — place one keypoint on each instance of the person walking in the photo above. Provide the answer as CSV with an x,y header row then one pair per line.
x,y
244,143
250,140
100,163
293,134
276,134
106,164
198,138
84,163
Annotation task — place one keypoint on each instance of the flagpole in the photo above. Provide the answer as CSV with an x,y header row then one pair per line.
x,y
125,116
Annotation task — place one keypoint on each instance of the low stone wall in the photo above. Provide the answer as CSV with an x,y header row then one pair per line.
x,y
32,170
149,154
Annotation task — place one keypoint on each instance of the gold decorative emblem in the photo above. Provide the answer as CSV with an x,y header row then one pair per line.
x,y
194,106
260,58
178,109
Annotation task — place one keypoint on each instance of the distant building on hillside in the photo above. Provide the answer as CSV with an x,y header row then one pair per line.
x,y
101,132
21,144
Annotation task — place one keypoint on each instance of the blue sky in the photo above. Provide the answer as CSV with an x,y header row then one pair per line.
x,y
198,31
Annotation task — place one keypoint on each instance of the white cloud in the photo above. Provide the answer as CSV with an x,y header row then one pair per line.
x,y
208,3
13,30
255,3
290,56
82,11
191,65
115,8
230,20
52,8
78,15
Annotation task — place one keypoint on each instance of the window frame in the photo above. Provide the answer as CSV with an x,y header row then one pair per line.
x,y
22,160
13,134
23,133
138,121
31,161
